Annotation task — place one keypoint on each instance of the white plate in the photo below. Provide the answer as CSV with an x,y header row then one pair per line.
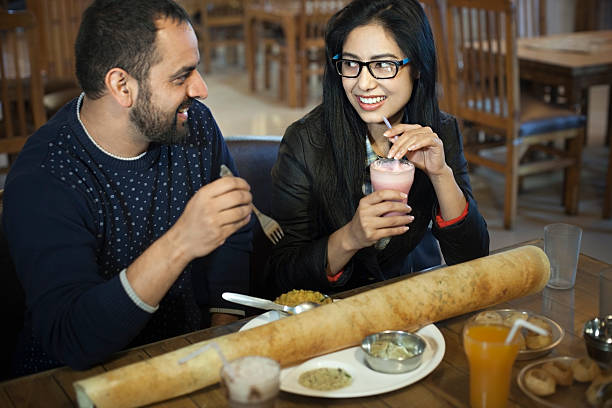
x,y
365,380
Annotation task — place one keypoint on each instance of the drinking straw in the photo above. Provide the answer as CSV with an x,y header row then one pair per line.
x,y
523,323
389,126
202,349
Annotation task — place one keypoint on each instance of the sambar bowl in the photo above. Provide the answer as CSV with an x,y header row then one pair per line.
x,y
393,352
598,338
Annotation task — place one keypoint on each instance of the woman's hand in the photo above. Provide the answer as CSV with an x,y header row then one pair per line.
x,y
369,225
418,144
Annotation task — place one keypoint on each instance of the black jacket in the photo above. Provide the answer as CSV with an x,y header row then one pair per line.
x,y
300,259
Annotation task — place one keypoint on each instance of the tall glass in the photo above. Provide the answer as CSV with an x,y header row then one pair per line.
x,y
392,174
490,363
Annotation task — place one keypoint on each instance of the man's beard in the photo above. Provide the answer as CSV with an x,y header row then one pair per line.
x,y
156,125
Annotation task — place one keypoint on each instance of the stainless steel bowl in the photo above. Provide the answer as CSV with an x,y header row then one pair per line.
x,y
411,342
598,338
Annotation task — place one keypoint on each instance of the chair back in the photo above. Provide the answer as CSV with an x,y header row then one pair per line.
x,y
59,22
254,157
20,81
222,24
531,18
312,23
482,62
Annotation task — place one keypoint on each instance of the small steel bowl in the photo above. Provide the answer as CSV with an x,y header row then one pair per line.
x,y
598,338
413,343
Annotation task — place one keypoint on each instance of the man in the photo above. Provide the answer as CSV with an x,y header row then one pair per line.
x,y
117,221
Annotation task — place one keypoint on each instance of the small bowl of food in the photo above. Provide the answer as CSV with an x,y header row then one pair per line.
x,y
598,338
393,352
532,345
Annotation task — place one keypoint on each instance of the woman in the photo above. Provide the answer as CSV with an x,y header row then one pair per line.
x,y
381,63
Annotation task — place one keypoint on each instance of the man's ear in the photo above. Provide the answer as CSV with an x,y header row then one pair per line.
x,y
121,86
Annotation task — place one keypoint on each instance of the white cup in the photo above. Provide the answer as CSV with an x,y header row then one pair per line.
x,y
562,246
251,381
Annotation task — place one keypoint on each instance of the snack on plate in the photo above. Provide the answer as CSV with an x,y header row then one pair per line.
x,y
521,340
585,369
295,297
535,341
488,317
540,382
561,372
594,395
539,322
511,317
325,379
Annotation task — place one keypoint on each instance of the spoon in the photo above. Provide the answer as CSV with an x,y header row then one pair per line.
x,y
267,304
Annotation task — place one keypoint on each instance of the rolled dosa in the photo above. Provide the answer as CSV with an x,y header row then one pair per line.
x,y
419,300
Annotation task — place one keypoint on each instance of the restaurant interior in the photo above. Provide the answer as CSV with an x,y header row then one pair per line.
x,y
262,61
251,93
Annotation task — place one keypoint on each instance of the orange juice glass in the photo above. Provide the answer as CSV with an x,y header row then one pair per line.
x,y
490,363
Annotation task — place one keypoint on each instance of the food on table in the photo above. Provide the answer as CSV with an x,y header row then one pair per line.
x,y
561,372
594,395
388,349
489,317
540,382
325,379
420,299
295,297
539,322
511,317
536,341
521,340
585,369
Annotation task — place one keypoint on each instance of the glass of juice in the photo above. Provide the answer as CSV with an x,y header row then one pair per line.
x,y
490,362
392,174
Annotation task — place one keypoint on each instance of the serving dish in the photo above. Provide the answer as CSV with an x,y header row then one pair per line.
x,y
573,396
556,330
352,360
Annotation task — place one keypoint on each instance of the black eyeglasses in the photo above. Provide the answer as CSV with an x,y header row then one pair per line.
x,y
379,69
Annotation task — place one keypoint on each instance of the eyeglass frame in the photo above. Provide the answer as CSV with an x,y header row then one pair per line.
x,y
398,64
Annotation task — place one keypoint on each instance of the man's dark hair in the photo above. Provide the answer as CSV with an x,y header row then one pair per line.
x,y
120,34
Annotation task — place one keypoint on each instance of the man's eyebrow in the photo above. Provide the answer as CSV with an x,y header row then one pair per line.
x,y
373,58
182,71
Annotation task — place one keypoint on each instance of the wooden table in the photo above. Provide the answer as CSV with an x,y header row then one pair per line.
x,y
576,61
446,386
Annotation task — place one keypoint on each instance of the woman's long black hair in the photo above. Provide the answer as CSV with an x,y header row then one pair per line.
x,y
340,173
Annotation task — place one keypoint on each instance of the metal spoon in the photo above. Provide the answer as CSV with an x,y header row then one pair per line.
x,y
267,304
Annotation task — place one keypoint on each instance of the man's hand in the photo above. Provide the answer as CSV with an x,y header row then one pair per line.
x,y
214,213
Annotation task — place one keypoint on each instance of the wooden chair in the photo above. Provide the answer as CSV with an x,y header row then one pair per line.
x,y
531,18
529,135
20,81
59,22
311,39
222,23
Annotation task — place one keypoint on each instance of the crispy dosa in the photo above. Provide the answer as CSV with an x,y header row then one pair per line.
x,y
418,300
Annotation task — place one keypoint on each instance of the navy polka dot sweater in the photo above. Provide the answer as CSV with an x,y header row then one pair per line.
x,y
75,217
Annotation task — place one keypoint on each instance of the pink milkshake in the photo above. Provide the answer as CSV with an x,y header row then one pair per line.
x,y
391,174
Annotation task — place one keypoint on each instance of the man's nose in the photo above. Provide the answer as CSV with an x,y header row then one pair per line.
x,y
197,87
